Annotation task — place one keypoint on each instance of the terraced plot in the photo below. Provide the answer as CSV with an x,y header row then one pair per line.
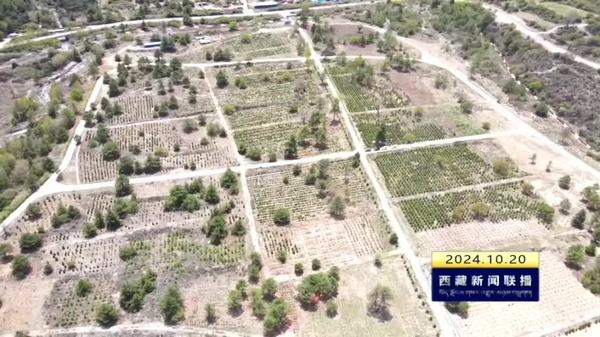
x,y
436,169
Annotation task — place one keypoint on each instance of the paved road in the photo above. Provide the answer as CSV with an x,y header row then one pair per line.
x,y
537,36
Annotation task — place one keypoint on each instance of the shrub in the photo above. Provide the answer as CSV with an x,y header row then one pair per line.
x,y
502,167
83,287
258,304
110,151
106,315
281,216
316,287
171,306
315,264
89,230
331,308
565,182
337,208
276,318
579,219
222,80
575,256
545,213
133,294
234,301
30,242
378,302
459,308
127,253
20,267
5,251
298,269
210,312
480,210
269,289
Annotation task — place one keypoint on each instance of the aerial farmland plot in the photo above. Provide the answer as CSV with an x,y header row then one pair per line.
x,y
243,46
315,228
168,120
269,104
417,104
466,201
158,233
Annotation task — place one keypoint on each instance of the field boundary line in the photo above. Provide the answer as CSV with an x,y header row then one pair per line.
x,y
458,189
446,141
368,112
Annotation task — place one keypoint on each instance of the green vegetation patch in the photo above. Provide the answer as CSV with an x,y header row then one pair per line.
x,y
435,169
495,203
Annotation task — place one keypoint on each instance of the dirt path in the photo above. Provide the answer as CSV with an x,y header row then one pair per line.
x,y
536,36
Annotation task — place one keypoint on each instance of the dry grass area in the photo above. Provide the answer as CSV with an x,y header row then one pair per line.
x,y
409,314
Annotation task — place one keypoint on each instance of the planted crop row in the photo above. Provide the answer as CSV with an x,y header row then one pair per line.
x,y
503,202
433,169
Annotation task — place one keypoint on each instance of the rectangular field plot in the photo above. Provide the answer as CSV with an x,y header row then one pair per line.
x,y
313,232
493,203
441,168
331,242
409,315
563,302
185,93
269,103
246,46
180,143
409,125
63,308
362,97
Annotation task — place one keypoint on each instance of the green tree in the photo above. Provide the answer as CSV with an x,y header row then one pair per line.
x,y
579,219
269,289
291,148
110,151
281,216
212,195
565,182
122,186
337,208
89,230
171,306
102,135
210,313
276,317
83,288
229,180
575,256
30,242
222,80
545,213
24,109
112,220
106,315
234,301
20,267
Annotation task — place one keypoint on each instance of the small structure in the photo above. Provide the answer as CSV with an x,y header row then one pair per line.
x,y
151,45
265,5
